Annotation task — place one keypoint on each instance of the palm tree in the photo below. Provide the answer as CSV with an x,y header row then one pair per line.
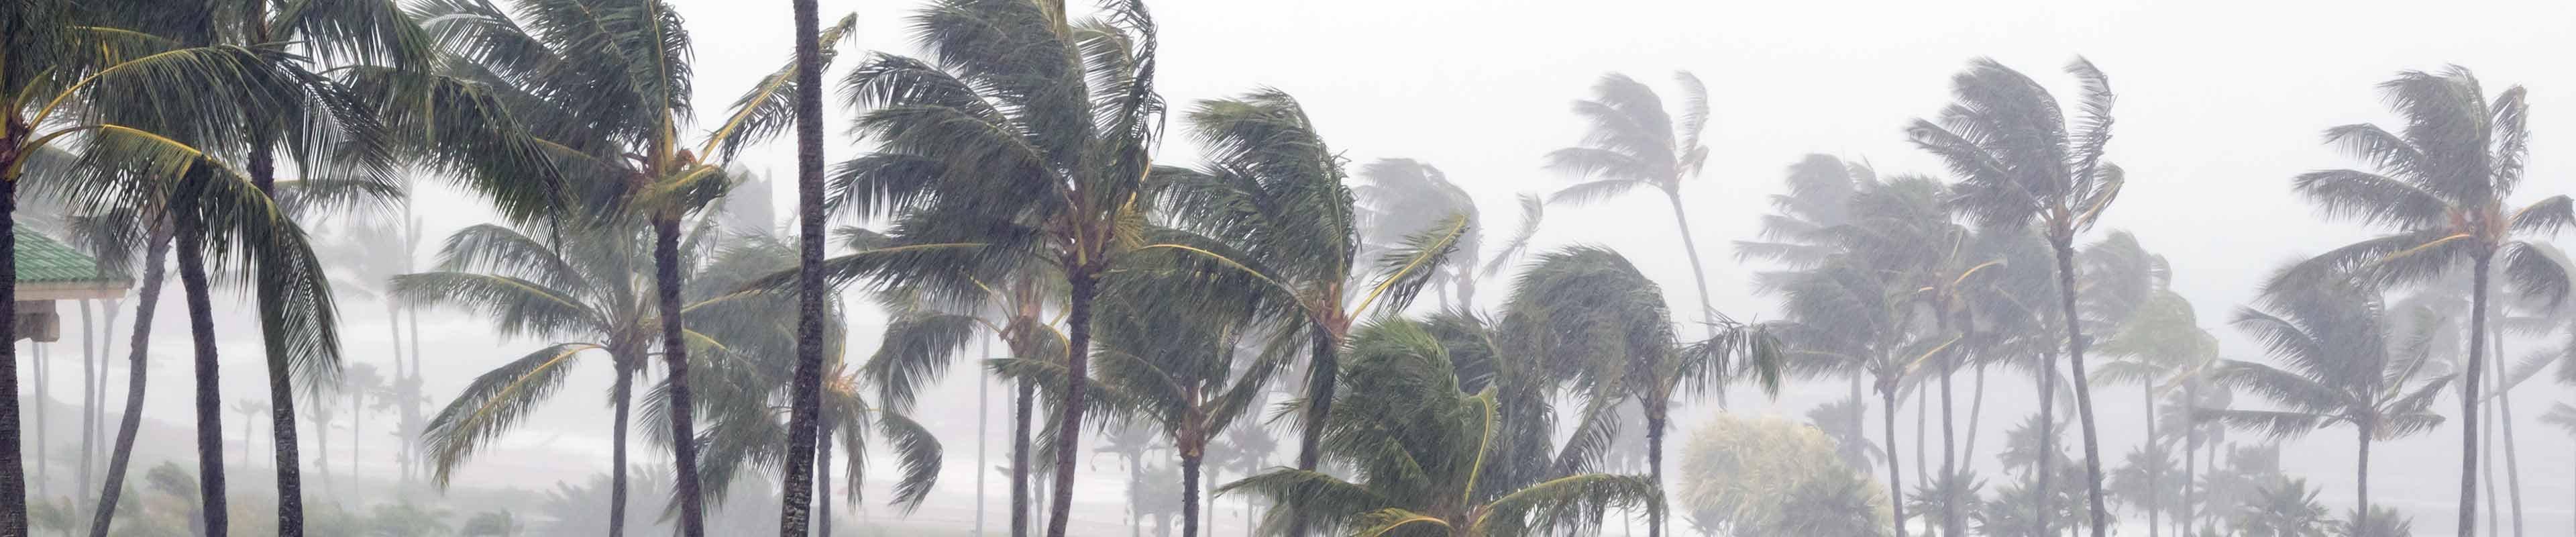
x,y
2155,340
2442,183
587,295
2022,165
1419,446
1400,197
1635,142
1590,301
604,91
1027,135
806,398
749,378
1183,373
70,64
361,382
2286,508
154,259
250,410
1268,226
2346,364
322,130
369,254
1797,235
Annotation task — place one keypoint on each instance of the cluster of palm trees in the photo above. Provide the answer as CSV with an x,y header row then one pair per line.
x,y
1904,281
1012,178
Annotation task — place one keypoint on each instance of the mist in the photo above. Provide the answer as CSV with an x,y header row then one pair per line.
x,y
1734,269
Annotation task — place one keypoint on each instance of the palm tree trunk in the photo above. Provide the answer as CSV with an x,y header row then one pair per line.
x,y
822,480
393,327
1699,276
148,299
2083,392
1895,467
1976,413
623,391
1951,524
210,409
1656,420
1190,494
2361,481
89,395
983,411
803,419
2155,525
1025,403
2486,464
675,354
2469,397
1323,372
2190,454
13,479
2046,475
2504,419
1922,434
1085,284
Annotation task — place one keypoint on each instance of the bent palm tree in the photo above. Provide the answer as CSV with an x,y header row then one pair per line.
x,y
2442,183
2347,363
589,295
1400,197
1589,301
1635,142
1027,136
1272,199
2023,165
1419,446
604,94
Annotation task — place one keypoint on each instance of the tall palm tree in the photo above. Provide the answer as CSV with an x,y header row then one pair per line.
x,y
1185,374
588,295
1419,446
1590,301
748,379
2442,184
368,254
1026,134
2346,363
1796,235
1634,141
605,93
1275,234
2023,165
323,132
154,259
2156,340
806,398
361,382
69,60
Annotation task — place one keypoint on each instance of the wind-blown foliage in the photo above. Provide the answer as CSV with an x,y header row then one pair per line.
x,y
1418,446
2023,164
2345,364
2441,185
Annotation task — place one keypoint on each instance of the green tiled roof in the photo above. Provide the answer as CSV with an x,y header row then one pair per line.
x,y
43,259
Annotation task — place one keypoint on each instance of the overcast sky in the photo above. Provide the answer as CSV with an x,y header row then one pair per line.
x,y
2221,103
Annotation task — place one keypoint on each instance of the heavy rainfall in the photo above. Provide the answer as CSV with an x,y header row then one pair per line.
x,y
1403,268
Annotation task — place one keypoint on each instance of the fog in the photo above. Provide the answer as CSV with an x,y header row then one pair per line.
x,y
2220,105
